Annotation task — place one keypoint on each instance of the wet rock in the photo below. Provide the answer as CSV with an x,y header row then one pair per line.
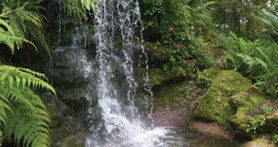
x,y
67,127
261,142
69,68
76,139
171,96
166,117
210,129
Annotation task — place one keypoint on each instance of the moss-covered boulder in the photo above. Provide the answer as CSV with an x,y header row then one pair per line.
x,y
260,142
206,77
159,77
171,95
249,112
214,104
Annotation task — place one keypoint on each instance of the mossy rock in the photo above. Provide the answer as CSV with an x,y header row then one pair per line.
x,y
214,104
160,77
71,140
171,95
248,113
260,142
206,77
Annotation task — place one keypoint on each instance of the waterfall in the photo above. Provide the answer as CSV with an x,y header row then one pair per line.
x,y
120,125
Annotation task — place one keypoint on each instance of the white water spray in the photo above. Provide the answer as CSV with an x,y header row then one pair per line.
x,y
120,125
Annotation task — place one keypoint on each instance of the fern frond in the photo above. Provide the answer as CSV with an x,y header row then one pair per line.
x,y
75,7
21,75
23,116
88,4
23,19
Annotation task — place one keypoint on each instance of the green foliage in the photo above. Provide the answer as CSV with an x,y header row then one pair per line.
x,y
160,15
269,18
23,116
275,138
184,29
76,7
239,16
22,19
256,59
206,77
187,49
255,122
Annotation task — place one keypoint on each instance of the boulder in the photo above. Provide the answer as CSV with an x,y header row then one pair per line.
x,y
214,104
261,142
159,77
249,114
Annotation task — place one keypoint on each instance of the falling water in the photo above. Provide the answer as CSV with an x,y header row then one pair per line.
x,y
120,125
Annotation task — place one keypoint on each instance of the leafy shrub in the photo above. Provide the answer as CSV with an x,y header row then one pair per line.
x,y
255,59
255,122
23,116
184,28
275,138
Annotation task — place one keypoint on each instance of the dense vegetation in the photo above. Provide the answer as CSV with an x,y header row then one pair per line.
x,y
198,34
23,116
236,35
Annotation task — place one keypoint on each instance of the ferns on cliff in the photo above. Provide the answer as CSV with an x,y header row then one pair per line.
x,y
21,19
76,7
23,116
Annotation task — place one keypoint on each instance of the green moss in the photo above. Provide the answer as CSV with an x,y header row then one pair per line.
x,y
171,95
214,105
246,103
206,77
274,138
159,77
259,142
72,143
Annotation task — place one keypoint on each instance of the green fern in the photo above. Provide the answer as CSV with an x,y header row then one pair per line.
x,y
256,59
22,19
76,7
270,19
23,115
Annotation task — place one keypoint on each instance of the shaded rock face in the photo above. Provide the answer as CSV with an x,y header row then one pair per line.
x,y
214,104
210,129
71,73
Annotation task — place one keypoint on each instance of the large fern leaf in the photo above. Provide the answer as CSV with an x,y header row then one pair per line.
x,y
23,116
76,7
22,19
